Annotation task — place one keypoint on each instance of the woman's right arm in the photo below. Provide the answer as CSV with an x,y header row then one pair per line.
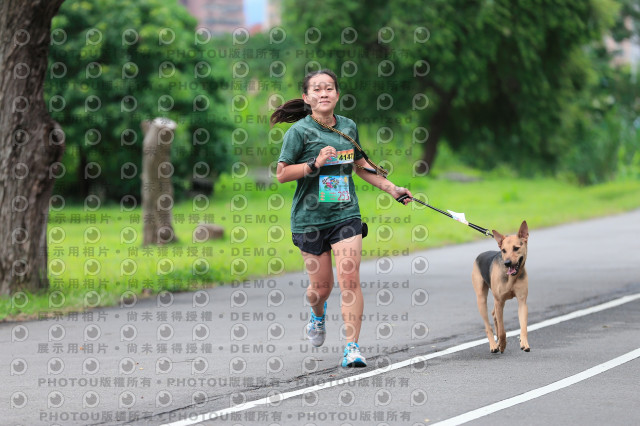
x,y
290,172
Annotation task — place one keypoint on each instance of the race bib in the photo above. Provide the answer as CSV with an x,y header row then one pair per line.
x,y
334,189
342,157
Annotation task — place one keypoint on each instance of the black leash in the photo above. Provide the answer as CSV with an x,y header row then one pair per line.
x,y
377,170
471,225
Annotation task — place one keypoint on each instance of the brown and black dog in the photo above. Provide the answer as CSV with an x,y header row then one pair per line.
x,y
503,272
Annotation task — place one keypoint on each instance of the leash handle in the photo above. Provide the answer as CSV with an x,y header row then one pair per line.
x,y
401,198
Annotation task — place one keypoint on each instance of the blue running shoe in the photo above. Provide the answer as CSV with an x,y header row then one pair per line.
x,y
352,356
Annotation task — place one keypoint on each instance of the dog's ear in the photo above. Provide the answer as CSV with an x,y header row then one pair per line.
x,y
499,237
523,233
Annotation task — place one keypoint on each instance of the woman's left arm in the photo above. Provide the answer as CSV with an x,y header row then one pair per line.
x,y
380,182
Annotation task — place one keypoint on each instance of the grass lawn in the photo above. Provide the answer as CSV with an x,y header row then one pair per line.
x,y
96,257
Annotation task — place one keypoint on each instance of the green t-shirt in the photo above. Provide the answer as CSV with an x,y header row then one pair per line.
x,y
327,196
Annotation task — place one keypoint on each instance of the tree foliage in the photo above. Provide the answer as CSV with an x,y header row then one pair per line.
x,y
114,64
493,78
604,122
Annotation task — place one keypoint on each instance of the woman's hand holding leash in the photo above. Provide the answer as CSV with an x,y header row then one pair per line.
x,y
402,195
325,154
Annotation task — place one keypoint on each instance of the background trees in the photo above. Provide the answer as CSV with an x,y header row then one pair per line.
x,y
500,82
114,64
497,80
602,123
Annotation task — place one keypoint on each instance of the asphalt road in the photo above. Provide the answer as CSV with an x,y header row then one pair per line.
x,y
216,355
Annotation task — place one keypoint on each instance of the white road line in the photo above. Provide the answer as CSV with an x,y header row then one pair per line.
x,y
536,393
277,398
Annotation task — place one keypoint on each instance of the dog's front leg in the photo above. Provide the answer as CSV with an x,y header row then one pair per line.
x,y
523,312
482,308
499,320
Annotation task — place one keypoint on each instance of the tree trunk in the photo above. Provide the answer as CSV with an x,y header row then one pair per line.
x,y
30,142
83,182
157,188
436,128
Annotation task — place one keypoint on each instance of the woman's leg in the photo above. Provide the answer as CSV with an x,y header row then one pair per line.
x,y
320,274
348,254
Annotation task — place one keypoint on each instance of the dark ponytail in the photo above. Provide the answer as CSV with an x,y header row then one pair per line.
x,y
296,109
290,112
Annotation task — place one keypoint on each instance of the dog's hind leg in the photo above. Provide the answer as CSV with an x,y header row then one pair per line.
x,y
482,290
